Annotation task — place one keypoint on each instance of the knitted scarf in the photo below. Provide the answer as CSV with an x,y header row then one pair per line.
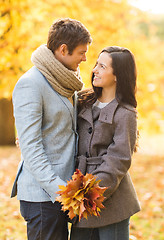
x,y
63,80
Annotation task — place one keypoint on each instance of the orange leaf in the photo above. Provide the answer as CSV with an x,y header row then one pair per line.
x,y
82,195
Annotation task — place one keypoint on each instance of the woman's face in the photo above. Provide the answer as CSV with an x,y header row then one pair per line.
x,y
103,72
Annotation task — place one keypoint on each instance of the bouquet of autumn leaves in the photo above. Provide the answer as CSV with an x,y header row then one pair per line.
x,y
81,196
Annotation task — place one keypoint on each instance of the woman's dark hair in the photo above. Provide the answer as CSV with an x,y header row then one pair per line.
x,y
67,31
124,68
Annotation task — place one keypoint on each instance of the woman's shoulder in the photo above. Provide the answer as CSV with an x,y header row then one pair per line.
x,y
127,108
125,112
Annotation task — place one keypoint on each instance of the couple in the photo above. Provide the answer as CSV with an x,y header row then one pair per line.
x,y
45,119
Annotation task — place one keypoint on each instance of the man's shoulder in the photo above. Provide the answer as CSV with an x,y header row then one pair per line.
x,y
33,78
32,75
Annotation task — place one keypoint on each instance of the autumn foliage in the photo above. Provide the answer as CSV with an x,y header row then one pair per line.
x,y
82,196
24,26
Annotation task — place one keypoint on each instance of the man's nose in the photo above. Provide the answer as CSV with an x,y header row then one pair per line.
x,y
84,58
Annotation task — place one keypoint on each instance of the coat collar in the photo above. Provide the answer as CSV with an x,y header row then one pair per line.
x,y
106,113
86,113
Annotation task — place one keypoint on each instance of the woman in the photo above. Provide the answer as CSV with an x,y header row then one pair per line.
x,y
107,138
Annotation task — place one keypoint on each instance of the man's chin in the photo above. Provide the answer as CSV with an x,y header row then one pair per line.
x,y
72,68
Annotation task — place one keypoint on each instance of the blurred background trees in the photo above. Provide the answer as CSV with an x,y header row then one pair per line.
x,y
24,25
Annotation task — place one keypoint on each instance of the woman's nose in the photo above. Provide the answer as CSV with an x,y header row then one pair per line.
x,y
95,69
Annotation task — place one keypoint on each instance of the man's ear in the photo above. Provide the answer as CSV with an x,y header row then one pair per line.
x,y
63,49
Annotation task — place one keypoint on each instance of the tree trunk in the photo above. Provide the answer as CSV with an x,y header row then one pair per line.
x,y
7,127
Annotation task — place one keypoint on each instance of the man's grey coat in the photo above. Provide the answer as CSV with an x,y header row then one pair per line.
x,y
44,121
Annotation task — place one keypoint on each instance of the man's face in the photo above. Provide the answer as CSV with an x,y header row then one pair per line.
x,y
78,55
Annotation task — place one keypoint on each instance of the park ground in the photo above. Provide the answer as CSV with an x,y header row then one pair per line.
x,y
147,173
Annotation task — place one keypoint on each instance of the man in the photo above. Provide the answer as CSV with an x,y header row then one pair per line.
x,y
45,124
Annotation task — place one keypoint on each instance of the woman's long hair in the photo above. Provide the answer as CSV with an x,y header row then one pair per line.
x,y
124,68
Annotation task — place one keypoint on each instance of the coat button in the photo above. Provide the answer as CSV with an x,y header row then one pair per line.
x,y
86,154
90,130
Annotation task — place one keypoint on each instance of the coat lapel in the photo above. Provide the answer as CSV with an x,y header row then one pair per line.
x,y
86,113
68,105
107,113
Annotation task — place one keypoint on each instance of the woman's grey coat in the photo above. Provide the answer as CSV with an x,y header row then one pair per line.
x,y
105,150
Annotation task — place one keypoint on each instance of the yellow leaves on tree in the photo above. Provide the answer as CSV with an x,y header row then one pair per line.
x,y
25,24
82,196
